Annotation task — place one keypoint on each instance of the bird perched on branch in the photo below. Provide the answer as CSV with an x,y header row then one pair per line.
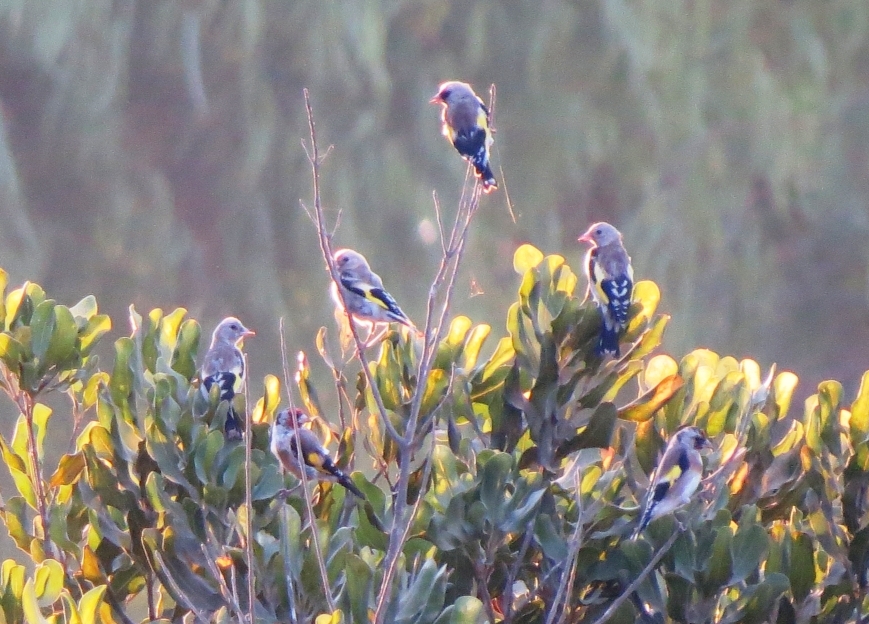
x,y
677,476
610,282
314,458
224,367
363,292
466,124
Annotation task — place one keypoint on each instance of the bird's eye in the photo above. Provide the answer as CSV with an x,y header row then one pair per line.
x,y
234,327
445,94
598,231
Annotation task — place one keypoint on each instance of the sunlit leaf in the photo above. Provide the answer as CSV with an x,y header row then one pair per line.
x,y
68,470
658,368
526,257
859,423
48,581
265,407
644,408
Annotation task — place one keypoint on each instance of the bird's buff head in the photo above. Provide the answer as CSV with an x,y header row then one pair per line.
x,y
601,234
231,331
692,437
452,92
285,418
350,261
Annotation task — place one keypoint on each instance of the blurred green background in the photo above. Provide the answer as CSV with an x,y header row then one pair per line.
x,y
150,153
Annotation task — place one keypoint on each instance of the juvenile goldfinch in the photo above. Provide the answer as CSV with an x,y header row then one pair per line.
x,y
610,282
224,366
363,292
315,458
677,476
466,124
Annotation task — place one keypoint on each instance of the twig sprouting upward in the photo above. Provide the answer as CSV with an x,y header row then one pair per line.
x,y
248,500
303,476
562,596
325,239
437,310
630,589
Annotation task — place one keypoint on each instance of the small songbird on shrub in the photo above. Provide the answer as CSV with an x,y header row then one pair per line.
x,y
677,475
466,124
223,366
315,459
610,282
363,292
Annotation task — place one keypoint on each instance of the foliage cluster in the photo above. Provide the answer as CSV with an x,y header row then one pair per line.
x,y
528,468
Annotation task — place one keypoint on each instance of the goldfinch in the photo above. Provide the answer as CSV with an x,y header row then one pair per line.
x,y
224,366
466,124
315,459
363,292
610,282
677,476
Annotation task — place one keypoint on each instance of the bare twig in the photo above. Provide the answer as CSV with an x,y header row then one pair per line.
x,y
573,552
480,575
325,239
248,499
309,508
640,578
288,571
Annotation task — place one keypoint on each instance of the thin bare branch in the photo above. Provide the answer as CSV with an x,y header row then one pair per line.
x,y
325,240
309,508
640,578
562,597
248,500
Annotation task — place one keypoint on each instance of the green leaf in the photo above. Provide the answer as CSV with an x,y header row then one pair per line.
x,y
41,415
19,469
12,352
859,423
69,469
465,610
359,583
643,408
42,325
829,400
29,603
186,345
435,390
750,545
85,309
801,573
526,257
473,345
784,385
121,384
48,582
720,562
95,329
492,484
63,337
90,603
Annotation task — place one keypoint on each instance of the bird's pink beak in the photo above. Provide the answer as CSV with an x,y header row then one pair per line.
x,y
248,333
436,99
585,238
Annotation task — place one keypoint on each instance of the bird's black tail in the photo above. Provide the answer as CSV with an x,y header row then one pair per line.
x,y
608,342
484,172
344,480
233,427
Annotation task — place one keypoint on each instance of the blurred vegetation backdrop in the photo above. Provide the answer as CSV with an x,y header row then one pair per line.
x,y
150,153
